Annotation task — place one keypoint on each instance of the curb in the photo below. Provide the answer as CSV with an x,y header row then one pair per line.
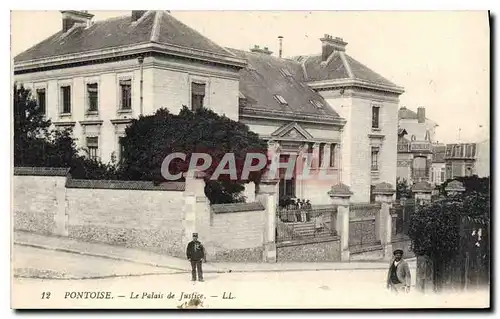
x,y
185,270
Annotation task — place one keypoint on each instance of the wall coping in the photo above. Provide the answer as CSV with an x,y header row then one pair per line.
x,y
41,171
236,207
124,185
365,205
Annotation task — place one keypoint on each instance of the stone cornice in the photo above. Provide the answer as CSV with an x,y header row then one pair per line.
x,y
260,113
99,56
347,82
91,122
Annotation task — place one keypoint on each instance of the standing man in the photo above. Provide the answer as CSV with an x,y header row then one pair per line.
x,y
398,276
195,254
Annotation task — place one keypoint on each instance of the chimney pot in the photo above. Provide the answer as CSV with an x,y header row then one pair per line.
x,y
421,114
330,44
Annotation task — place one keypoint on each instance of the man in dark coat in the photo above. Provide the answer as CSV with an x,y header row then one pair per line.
x,y
398,276
195,253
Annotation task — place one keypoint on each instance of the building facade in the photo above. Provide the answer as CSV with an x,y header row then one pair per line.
x,y
438,168
95,77
416,134
467,159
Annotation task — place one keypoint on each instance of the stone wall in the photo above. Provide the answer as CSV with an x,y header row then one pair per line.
x,y
159,218
237,232
134,217
36,194
324,250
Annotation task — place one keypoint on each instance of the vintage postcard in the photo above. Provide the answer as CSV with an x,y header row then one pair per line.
x,y
250,159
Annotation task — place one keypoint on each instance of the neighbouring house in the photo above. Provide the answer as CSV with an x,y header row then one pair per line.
x,y
97,76
467,159
438,170
416,134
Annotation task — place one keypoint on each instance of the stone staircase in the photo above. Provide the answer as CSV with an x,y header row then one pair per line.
x,y
303,230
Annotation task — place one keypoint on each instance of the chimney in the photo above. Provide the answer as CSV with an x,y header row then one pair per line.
x,y
265,50
71,18
281,46
421,114
330,44
137,14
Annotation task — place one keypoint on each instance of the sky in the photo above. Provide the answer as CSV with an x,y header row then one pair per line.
x,y
441,58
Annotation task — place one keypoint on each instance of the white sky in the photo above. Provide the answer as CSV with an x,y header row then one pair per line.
x,y
441,58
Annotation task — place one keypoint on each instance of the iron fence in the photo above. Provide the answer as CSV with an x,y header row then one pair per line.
x,y
306,223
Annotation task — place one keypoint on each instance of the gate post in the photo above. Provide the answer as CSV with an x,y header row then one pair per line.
x,y
267,196
422,192
340,195
384,193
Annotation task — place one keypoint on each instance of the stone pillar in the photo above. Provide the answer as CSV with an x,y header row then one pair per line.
x,y
249,192
422,192
267,195
196,209
454,188
315,156
384,194
340,195
326,156
61,216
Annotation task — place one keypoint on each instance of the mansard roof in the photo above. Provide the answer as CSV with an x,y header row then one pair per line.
x,y
154,27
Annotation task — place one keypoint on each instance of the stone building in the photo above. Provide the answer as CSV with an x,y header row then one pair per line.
x,y
96,76
416,133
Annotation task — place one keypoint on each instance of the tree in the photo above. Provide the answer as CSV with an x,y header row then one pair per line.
x,y
435,229
150,139
471,184
35,143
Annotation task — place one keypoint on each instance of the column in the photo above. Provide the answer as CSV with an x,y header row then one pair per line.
x,y
384,194
315,156
340,195
326,156
267,195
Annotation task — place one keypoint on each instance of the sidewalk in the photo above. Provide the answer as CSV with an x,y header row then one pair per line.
x,y
69,245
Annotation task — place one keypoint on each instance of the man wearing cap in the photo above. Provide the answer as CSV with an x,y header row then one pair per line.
x,y
195,254
398,276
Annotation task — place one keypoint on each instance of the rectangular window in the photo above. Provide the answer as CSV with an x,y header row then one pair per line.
x,y
93,146
375,116
92,96
333,148
42,99
442,175
375,151
321,154
125,94
66,99
197,96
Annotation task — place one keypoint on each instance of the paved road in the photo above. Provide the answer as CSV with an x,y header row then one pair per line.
x,y
41,262
319,289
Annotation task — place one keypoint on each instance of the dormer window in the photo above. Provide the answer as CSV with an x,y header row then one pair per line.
x,y
280,100
316,103
285,72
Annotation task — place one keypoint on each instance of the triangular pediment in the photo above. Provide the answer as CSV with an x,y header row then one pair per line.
x,y
292,130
